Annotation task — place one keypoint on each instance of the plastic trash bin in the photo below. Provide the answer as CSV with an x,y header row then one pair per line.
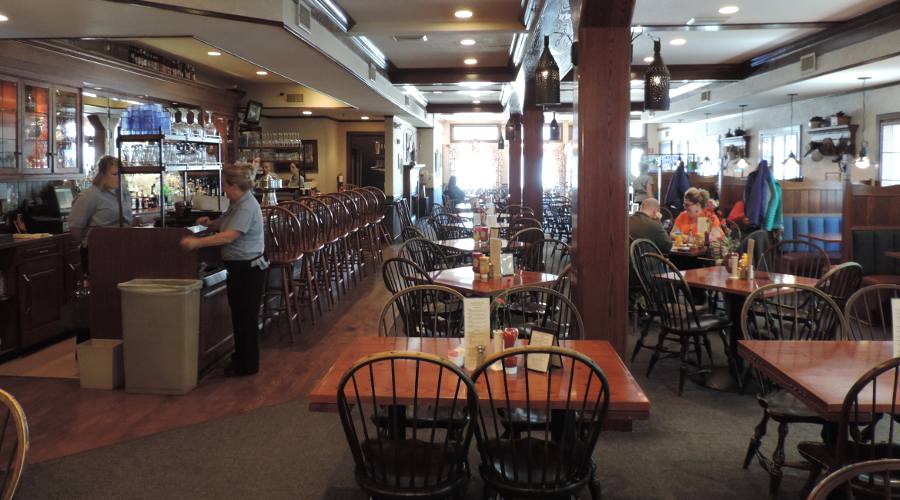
x,y
160,328
100,363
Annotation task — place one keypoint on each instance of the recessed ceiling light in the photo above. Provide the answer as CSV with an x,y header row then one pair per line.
x,y
729,9
262,73
214,53
463,14
307,113
437,91
89,94
363,117
98,88
467,41
648,59
677,41
476,101
470,61
3,18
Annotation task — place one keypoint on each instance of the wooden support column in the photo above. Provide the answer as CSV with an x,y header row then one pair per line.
x,y
533,138
600,238
515,161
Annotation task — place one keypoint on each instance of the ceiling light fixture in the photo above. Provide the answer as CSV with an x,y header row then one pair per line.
x,y
463,14
467,42
307,113
791,161
214,53
729,9
89,94
476,101
510,128
554,129
862,160
262,73
437,91
3,18
500,143
546,78
648,59
656,82
677,41
363,117
470,61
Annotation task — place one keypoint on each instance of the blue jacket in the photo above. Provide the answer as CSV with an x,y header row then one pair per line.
x,y
677,186
757,203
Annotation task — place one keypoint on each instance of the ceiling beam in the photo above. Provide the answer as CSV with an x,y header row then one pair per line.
x,y
449,76
390,28
859,29
681,72
491,107
651,28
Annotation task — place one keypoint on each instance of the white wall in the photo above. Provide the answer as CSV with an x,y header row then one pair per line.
x,y
878,101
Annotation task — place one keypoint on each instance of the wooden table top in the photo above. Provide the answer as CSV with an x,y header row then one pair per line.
x,y
468,244
463,280
717,278
820,373
893,254
627,400
690,252
824,237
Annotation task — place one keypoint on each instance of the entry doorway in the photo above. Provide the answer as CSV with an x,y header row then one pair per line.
x,y
365,159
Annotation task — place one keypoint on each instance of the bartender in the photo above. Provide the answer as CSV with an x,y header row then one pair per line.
x,y
98,206
240,234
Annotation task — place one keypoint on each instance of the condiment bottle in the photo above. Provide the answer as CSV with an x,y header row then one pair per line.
x,y
510,335
484,266
476,262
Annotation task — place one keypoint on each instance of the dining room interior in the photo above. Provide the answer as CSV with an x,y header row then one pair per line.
x,y
351,249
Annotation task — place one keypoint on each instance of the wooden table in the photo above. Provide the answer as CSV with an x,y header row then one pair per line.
x,y
468,245
819,373
463,280
823,237
627,400
690,252
717,279
894,254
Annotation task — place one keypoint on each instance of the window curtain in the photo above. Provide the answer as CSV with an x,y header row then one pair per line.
x,y
476,165
556,172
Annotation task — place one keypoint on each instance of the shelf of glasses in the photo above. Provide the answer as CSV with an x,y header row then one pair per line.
x,y
168,138
283,148
171,167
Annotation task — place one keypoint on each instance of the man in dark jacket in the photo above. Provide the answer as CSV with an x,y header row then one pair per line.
x,y
645,224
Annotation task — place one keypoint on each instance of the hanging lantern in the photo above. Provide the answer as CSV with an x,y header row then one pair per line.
x,y
510,129
862,160
656,83
554,129
546,78
500,143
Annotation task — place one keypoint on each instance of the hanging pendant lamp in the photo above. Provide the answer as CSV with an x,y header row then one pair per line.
x,y
656,83
862,159
500,143
791,161
510,129
546,78
554,129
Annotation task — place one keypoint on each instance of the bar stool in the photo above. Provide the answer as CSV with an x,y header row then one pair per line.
x,y
306,277
323,238
284,249
352,256
337,246
384,233
371,238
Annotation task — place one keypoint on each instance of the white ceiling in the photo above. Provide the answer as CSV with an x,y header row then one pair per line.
x,y
715,47
752,11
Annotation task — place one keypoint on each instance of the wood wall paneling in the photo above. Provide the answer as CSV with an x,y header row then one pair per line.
x,y
600,222
515,162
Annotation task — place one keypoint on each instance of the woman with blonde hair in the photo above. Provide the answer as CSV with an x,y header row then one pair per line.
x,y
240,234
696,206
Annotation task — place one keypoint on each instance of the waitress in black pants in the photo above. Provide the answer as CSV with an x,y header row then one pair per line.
x,y
240,234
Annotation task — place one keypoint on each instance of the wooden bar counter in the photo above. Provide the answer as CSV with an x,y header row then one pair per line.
x,y
121,254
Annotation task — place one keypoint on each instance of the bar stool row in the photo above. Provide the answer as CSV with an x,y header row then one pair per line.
x,y
319,247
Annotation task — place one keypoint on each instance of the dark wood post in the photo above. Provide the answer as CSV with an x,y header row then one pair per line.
x,y
533,134
601,224
515,161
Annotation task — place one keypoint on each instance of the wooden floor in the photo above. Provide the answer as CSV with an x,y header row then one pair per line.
x,y
65,419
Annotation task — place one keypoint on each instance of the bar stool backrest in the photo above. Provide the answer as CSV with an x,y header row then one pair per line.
x,y
340,214
282,233
324,216
15,439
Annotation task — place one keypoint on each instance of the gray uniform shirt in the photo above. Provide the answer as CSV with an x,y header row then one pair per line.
x,y
245,217
98,207
641,187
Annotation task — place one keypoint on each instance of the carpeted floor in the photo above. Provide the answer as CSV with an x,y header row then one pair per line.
x,y
691,448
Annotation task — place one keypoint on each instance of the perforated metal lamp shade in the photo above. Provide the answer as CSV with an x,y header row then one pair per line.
x,y
656,83
546,78
510,129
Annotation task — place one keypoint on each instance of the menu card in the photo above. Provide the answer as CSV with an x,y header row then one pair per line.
x,y
541,362
477,321
895,317
492,220
507,267
702,225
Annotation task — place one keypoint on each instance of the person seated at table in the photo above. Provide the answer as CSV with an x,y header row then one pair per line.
x,y
454,193
645,223
695,206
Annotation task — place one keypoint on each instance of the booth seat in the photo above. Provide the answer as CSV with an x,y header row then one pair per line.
x,y
797,224
869,246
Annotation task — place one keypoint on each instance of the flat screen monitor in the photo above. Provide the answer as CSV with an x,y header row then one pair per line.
x,y
64,198
254,109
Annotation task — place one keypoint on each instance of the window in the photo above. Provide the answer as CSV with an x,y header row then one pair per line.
x,y
636,130
476,133
706,148
890,150
776,145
